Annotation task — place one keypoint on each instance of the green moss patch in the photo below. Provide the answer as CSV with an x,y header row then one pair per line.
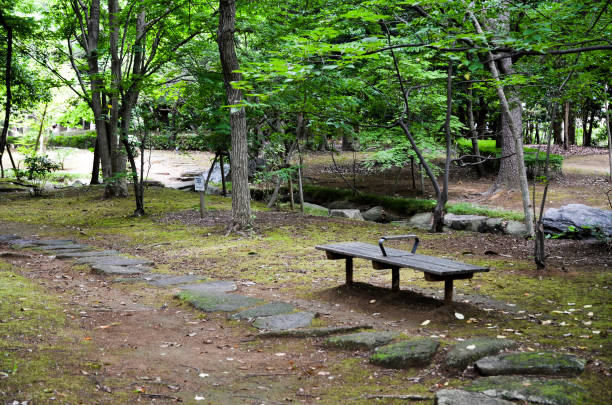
x,y
406,354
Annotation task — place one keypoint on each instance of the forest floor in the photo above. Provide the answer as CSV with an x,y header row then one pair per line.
x,y
68,335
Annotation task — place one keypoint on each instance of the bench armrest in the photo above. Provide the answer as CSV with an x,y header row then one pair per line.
x,y
384,238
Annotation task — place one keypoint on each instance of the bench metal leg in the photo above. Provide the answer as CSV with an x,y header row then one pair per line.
x,y
349,270
448,291
395,279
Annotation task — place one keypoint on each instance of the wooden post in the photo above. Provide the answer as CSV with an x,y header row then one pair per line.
x,y
349,270
395,279
448,291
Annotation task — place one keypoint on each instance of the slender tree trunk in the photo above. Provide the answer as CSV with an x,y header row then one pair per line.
x,y
537,133
607,108
40,129
515,130
241,198
473,131
566,125
438,214
95,169
223,185
572,126
7,82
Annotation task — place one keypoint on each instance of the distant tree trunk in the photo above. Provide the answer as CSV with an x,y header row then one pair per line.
x,y
556,127
241,208
95,169
348,142
473,131
588,127
537,133
438,214
607,108
566,114
40,129
7,82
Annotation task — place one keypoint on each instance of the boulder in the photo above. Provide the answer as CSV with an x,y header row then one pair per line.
x,y
421,220
314,209
494,225
375,214
352,214
516,228
215,176
584,219
473,223
546,363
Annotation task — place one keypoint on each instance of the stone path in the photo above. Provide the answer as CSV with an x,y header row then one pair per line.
x,y
389,349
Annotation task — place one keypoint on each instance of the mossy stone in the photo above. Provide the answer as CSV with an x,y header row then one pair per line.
x,y
285,321
466,352
406,354
460,397
313,332
361,340
213,302
546,363
540,391
272,308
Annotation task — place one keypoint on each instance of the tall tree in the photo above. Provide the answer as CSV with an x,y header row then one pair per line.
x,y
241,197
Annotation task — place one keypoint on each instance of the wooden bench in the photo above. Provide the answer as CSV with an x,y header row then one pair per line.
x,y
435,269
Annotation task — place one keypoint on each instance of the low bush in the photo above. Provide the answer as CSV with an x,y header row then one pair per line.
x,y
80,140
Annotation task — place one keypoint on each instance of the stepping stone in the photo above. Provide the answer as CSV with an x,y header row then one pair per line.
x,y
530,363
460,397
466,352
110,270
285,321
273,308
211,286
8,237
406,354
55,242
213,302
114,261
361,340
312,332
168,280
70,246
539,391
73,254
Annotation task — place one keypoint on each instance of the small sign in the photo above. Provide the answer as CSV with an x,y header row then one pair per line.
x,y
199,183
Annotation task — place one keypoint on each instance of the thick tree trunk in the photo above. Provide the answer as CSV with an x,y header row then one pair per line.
x,y
95,169
241,198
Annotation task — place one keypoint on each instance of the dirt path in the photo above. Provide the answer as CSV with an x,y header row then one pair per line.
x,y
598,165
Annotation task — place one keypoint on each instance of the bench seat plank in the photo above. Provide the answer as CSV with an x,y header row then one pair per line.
x,y
401,258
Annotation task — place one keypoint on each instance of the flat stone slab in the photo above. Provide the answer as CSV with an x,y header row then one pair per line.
x,y
312,332
110,270
213,302
537,391
405,354
546,363
114,261
460,397
170,280
285,321
73,254
270,309
361,340
8,237
68,246
465,353
54,242
211,286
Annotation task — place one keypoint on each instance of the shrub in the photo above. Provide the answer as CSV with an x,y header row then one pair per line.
x,y
39,169
81,140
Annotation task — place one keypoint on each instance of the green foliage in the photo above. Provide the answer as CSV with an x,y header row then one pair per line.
x,y
39,169
83,140
464,208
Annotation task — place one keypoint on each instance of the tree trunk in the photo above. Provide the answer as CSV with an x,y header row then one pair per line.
x,y
95,169
566,109
40,129
7,83
473,131
537,133
607,108
241,198
556,127
438,214
572,126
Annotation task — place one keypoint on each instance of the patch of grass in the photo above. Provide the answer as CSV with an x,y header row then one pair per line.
x,y
464,208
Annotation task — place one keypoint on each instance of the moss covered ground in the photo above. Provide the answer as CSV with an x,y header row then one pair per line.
x,y
569,312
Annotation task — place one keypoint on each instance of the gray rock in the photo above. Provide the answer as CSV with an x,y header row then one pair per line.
x,y
406,354
153,183
115,261
169,280
460,397
516,228
215,176
537,391
422,220
466,352
352,214
579,216
314,209
375,214
8,238
285,321
473,223
111,270
270,309
69,246
546,363
55,242
181,185
211,286
212,190
313,332
494,225
361,340
213,302
74,254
